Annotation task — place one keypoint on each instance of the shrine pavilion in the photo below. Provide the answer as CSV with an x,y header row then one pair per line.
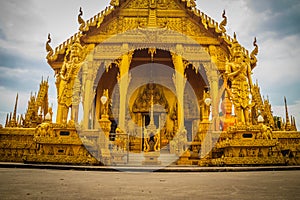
x,y
151,83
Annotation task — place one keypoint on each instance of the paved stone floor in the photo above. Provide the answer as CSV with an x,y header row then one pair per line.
x,y
72,184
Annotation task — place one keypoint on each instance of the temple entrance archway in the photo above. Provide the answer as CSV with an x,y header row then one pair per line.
x,y
152,74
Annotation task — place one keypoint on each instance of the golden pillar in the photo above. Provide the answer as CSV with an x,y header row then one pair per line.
x,y
213,79
207,127
88,76
88,96
123,81
179,80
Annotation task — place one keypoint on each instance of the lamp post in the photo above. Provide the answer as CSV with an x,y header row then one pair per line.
x,y
104,121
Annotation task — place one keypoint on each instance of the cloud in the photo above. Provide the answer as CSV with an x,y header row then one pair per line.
x,y
20,23
8,102
278,68
280,17
24,26
2,35
11,59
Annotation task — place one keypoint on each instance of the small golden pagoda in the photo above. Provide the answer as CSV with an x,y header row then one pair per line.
x,y
151,82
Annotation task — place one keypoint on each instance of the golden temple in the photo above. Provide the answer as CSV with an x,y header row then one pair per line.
x,y
151,82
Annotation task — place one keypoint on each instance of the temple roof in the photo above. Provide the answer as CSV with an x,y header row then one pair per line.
x,y
115,9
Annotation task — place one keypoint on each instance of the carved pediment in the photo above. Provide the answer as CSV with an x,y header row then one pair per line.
x,y
130,15
137,4
145,4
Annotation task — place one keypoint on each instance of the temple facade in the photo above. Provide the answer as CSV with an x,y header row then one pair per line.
x,y
154,82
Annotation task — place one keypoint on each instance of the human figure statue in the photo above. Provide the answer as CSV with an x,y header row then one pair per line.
x,y
66,79
238,75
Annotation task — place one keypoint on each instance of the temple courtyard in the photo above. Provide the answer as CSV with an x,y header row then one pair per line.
x,y
21,183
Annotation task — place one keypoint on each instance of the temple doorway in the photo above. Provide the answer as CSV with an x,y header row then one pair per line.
x,y
150,83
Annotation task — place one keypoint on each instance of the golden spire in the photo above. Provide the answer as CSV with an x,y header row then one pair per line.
x,y
7,122
14,117
287,124
295,126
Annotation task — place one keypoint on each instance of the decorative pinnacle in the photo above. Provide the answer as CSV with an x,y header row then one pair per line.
x,y
80,12
81,21
223,23
15,110
254,42
48,47
288,124
224,13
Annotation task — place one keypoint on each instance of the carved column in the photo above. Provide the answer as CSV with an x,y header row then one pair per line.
x,y
88,95
179,80
76,100
212,75
123,80
213,78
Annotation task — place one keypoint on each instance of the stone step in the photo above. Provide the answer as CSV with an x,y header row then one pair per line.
x,y
137,159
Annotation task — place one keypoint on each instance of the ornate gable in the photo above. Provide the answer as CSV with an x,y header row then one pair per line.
x,y
180,16
174,15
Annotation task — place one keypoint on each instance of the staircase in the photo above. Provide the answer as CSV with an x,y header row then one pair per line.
x,y
136,159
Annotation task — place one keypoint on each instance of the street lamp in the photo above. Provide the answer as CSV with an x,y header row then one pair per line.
x,y
104,122
207,101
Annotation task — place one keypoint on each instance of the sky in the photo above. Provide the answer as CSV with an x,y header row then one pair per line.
x,y
24,26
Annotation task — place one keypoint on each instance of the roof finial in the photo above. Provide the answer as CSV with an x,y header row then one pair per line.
x,y
81,21
48,47
254,54
223,23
